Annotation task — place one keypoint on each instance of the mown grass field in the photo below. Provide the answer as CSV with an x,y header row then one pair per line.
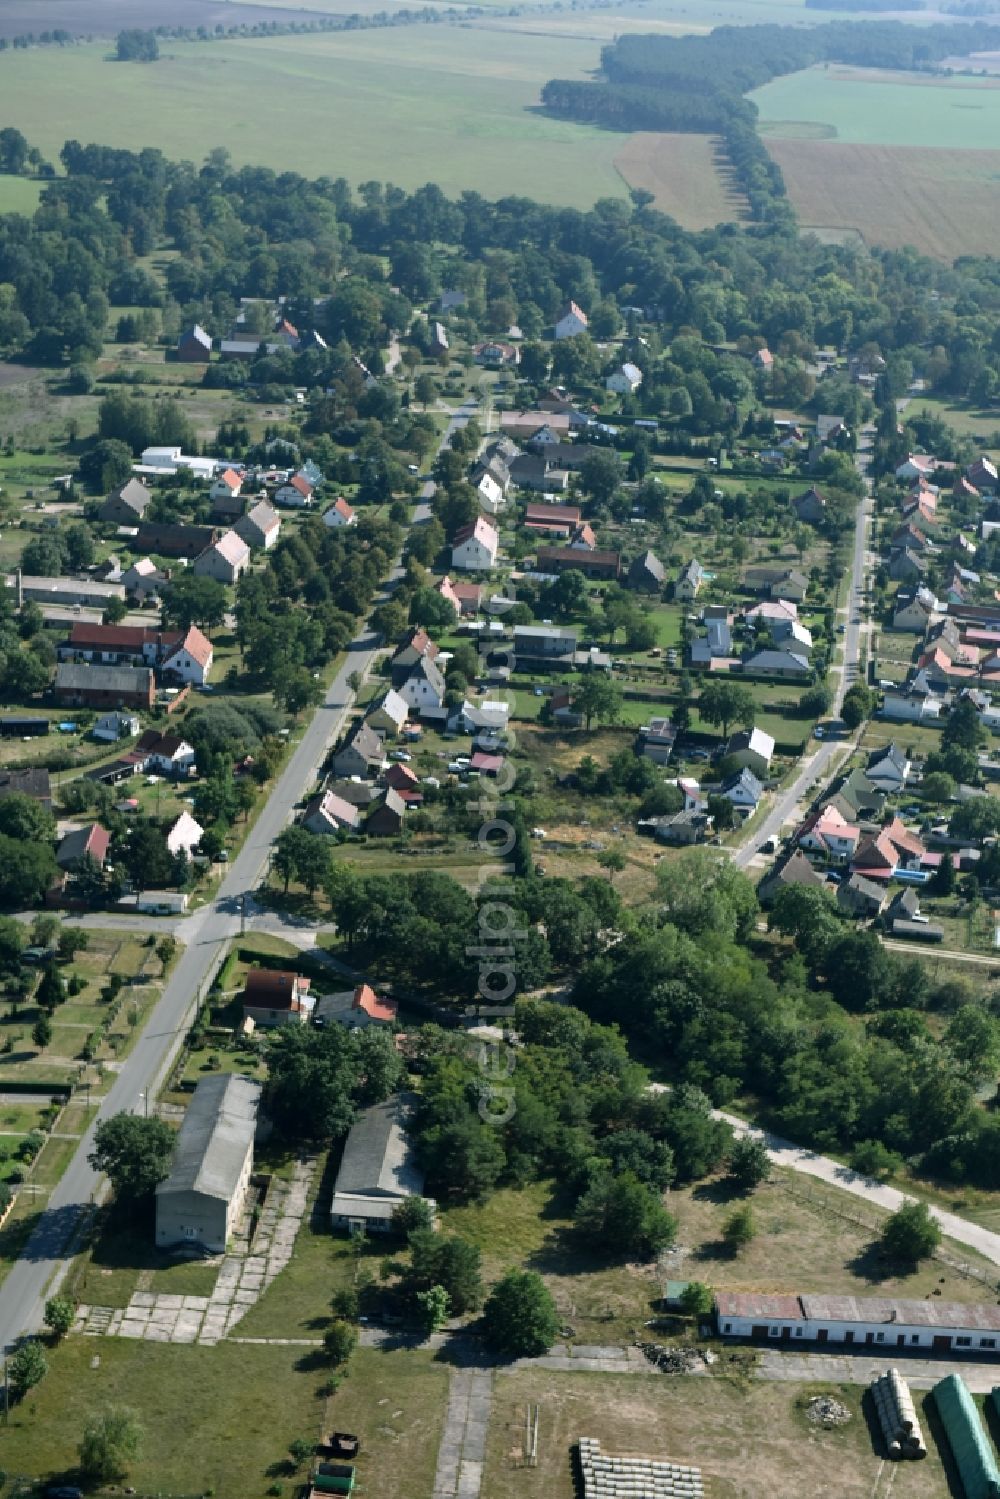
x,y
943,201
18,194
409,105
869,107
685,176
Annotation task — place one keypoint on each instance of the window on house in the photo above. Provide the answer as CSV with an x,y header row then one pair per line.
x,y
963,1342
987,1342
880,1337
798,1332
914,1337
774,1332
727,1327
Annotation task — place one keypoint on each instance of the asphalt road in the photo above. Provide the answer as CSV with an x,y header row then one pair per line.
x,y
206,933
816,766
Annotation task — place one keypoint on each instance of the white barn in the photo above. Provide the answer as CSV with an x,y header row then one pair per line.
x,y
201,1200
868,1321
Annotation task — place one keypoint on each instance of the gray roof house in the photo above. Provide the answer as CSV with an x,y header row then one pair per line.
x,y
378,1170
201,1200
647,573
796,870
362,755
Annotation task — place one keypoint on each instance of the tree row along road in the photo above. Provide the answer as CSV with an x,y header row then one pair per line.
x,y
205,936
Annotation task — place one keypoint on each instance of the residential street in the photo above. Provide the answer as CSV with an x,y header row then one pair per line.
x,y
205,936
817,766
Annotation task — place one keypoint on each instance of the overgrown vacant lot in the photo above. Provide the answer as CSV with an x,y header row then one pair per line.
x,y
685,174
214,1418
749,1440
945,202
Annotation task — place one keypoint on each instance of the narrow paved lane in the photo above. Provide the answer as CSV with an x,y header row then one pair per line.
x,y
206,934
816,766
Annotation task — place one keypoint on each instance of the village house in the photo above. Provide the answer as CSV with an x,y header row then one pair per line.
x,y
913,613
810,507
260,527
539,473
438,343
226,486
126,505
753,748
185,835
583,538
144,580
916,466
490,489
295,494
194,345
776,663
111,727
385,820
203,1197
424,687
340,514
829,836
90,842
361,755
225,560
647,573
539,646
860,897
858,798
900,705
982,475
161,461
166,754
378,1168
78,686
475,546
275,997
625,380
328,813
763,360
796,870
465,598
356,1009
190,659
657,740
714,648
744,791
572,320
777,583
888,769
688,826
389,714
495,355
689,582
415,644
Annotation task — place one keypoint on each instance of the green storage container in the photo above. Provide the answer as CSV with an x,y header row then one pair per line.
x,y
334,1478
970,1446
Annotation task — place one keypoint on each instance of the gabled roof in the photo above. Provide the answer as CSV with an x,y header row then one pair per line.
x,y
367,742
889,752
302,485
262,518
479,530
231,548
417,640
570,309
743,780
367,1000
197,646
92,841
230,479
649,562
273,988
214,1137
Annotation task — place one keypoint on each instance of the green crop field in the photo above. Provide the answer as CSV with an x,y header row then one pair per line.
x,y
869,107
19,195
407,105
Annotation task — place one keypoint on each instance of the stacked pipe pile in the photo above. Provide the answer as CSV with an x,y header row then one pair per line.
x,y
634,1477
898,1417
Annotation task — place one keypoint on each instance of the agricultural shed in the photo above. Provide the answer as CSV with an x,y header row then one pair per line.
x,y
970,1446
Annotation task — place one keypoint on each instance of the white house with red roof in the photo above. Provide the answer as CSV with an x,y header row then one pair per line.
x,y
475,546
224,560
191,659
916,466
296,493
571,321
226,486
828,835
356,1009
340,514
